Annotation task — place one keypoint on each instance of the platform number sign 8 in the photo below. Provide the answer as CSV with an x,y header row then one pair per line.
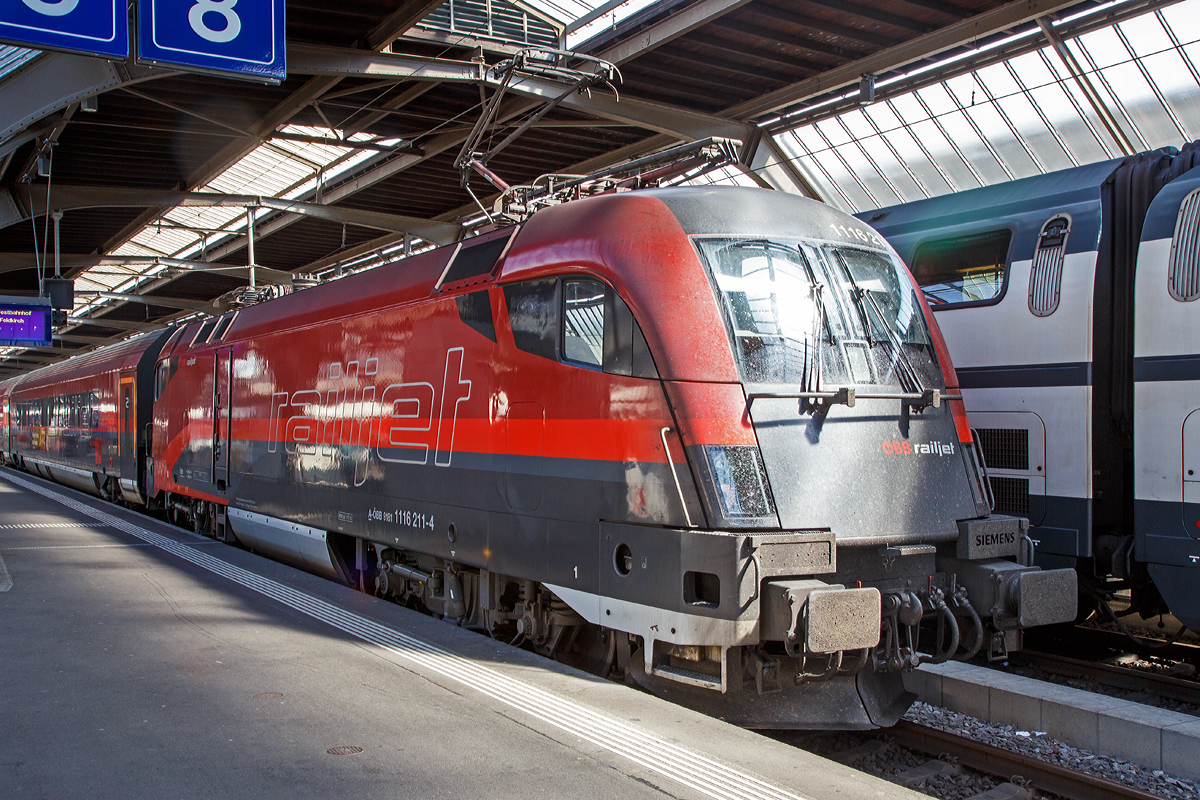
x,y
94,27
224,9
244,37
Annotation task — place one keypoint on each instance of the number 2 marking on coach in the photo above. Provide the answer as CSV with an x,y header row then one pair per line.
x,y
223,8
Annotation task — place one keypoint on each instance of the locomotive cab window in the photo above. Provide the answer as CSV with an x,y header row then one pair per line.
x,y
809,314
583,322
161,376
963,269
579,321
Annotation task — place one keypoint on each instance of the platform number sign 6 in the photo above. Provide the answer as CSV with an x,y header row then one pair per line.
x,y
245,37
232,23
54,8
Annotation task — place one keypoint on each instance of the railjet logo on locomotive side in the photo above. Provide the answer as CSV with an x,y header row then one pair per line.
x,y
398,428
930,448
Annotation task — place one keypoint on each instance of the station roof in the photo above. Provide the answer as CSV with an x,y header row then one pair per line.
x,y
351,161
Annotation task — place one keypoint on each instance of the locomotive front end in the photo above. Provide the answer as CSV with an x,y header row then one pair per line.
x,y
843,532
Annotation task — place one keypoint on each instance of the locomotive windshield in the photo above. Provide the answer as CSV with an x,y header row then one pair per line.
x,y
810,314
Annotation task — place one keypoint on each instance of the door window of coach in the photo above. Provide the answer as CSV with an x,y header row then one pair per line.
x,y
963,270
580,321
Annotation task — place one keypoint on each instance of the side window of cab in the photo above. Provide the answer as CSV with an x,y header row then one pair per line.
x,y
579,321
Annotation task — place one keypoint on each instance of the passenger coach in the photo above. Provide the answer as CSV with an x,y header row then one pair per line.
x,y
1067,301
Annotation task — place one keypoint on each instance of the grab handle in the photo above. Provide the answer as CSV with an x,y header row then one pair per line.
x,y
678,487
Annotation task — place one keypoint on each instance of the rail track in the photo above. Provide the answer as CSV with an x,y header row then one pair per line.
x,y
1086,639
947,765
1005,764
1112,676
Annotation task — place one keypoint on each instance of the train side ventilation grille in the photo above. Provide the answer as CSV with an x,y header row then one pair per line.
x,y
1004,448
1012,495
1045,279
1185,251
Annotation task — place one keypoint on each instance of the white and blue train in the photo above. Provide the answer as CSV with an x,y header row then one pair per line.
x,y
1069,304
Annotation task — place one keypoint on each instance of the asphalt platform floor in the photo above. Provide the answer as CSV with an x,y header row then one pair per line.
x,y
140,661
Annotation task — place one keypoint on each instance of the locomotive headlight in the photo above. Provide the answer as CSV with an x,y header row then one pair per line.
x,y
740,482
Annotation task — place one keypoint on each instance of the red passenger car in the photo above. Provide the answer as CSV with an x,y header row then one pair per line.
x,y
6,387
77,422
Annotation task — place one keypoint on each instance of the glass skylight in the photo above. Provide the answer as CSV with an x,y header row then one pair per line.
x,y
276,168
605,16
1026,116
12,58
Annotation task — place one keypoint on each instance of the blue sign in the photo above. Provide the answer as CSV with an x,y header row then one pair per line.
x,y
245,37
24,325
99,27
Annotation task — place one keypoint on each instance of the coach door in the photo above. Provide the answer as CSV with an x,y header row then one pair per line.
x,y
223,380
126,425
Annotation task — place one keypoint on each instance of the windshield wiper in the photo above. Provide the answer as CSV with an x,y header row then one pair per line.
x,y
864,298
820,323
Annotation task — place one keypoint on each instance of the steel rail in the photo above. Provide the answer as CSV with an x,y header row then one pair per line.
x,y
1183,691
1084,635
1044,776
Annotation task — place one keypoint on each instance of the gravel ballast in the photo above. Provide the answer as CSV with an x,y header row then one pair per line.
x,y
1038,745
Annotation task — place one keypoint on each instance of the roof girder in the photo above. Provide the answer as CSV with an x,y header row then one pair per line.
x,y
67,198
664,31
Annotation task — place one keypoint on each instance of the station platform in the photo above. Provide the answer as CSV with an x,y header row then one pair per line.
x,y
142,661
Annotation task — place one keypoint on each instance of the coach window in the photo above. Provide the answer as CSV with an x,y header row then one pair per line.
x,y
583,321
963,270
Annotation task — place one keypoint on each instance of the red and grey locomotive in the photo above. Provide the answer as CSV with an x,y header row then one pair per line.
x,y
709,439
